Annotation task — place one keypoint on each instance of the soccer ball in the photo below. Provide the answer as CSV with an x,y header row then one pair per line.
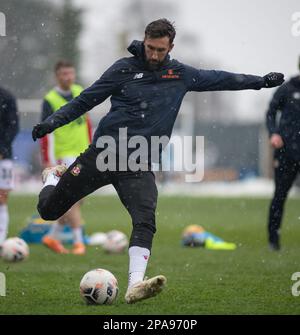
x,y
97,239
14,249
116,242
99,287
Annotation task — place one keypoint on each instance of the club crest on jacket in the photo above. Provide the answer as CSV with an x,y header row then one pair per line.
x,y
76,170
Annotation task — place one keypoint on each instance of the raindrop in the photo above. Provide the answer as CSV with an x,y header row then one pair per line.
x,y
144,104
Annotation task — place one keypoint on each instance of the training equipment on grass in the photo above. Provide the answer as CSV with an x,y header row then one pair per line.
x,y
99,287
36,228
196,236
14,249
116,242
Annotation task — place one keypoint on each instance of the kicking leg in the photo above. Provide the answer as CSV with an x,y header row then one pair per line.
x,y
79,180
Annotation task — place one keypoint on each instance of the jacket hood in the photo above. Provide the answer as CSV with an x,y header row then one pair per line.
x,y
136,48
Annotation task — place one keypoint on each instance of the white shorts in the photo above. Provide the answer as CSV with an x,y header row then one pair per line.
x,y
66,160
6,174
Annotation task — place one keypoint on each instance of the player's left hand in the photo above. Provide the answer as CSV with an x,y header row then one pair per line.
x,y
273,79
40,130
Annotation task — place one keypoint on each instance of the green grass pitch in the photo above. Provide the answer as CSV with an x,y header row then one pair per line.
x,y
249,280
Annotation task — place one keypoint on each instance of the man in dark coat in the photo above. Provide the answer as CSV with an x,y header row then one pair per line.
x,y
146,92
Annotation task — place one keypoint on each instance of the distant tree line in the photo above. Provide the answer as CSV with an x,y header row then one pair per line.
x,y
38,33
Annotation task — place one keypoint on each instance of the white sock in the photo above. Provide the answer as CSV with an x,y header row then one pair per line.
x,y
4,219
51,179
55,230
138,260
77,235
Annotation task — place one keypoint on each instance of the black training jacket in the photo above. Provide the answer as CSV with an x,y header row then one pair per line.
x,y
147,102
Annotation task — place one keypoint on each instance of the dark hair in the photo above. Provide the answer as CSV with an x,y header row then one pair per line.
x,y
62,63
161,28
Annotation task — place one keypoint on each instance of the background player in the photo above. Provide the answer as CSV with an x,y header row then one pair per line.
x,y
62,147
9,125
283,123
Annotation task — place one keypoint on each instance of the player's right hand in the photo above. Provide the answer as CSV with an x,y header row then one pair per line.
x,y
276,141
40,130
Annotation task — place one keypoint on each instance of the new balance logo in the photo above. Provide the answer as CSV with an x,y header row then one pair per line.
x,y
138,76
